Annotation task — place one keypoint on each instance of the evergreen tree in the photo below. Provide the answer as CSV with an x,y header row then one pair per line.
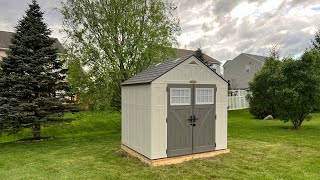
x,y
199,54
31,77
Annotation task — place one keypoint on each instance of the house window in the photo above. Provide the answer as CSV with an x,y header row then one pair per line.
x,y
204,95
247,70
180,96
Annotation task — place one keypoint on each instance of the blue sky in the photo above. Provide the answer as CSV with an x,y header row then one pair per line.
x,y
222,28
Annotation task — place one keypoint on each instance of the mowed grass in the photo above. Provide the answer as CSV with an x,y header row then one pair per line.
x,y
88,148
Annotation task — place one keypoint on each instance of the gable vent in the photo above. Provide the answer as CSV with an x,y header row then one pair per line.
x,y
193,62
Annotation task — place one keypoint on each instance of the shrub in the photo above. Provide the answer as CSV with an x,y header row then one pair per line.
x,y
262,100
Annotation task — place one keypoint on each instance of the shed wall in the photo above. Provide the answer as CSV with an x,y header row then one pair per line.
x,y
182,74
2,54
136,118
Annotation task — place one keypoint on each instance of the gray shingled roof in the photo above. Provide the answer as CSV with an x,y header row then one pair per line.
x,y
5,41
157,70
154,71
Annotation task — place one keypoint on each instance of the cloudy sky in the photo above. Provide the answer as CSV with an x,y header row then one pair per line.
x,y
222,28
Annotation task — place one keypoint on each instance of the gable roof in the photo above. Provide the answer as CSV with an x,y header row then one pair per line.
x,y
252,56
156,70
185,52
5,41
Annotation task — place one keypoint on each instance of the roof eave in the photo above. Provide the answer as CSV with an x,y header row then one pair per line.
x,y
133,84
4,49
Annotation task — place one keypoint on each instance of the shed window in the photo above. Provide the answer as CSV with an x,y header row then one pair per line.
x,y
204,95
180,96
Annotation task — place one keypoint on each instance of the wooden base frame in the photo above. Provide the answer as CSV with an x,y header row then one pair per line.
x,y
171,160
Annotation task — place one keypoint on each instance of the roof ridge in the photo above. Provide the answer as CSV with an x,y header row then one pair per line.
x,y
153,72
252,56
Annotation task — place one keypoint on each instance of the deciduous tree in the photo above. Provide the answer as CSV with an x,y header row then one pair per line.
x,y
262,99
114,40
298,91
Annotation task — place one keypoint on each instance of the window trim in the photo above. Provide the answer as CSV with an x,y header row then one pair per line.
x,y
204,103
180,104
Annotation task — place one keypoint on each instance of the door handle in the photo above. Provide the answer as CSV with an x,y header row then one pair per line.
x,y
194,118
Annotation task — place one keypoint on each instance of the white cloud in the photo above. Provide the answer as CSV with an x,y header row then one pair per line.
x,y
251,26
223,28
310,29
243,10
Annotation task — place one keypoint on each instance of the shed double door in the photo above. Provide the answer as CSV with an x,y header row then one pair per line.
x,y
190,119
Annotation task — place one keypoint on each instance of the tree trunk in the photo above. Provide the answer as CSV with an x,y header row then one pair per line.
x,y
297,124
36,131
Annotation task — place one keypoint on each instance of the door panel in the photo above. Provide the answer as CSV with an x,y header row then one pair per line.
x,y
204,130
182,137
179,131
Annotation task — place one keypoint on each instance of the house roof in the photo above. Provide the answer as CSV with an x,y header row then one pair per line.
x,y
185,52
156,70
5,41
252,56
256,57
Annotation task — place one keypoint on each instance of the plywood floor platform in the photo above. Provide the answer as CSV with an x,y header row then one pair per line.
x,y
172,160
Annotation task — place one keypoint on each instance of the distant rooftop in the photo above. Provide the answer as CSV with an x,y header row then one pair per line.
x,y
257,57
5,41
252,56
185,52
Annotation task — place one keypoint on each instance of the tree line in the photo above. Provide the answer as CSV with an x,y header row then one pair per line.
x,y
107,43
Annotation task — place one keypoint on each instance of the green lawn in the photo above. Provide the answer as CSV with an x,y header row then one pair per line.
x,y
88,148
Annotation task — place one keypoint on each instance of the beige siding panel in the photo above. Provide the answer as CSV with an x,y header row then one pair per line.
x,y
235,71
158,124
182,74
136,118
2,54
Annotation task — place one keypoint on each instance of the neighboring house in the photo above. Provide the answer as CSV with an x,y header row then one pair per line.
x,y
241,70
5,40
213,63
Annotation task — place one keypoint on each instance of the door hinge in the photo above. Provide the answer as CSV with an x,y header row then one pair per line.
x,y
166,151
166,120
215,144
215,117
167,88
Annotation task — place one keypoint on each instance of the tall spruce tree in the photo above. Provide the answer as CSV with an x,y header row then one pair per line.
x,y
31,76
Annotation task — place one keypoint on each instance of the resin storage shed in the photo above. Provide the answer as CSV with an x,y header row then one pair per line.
x,y
174,111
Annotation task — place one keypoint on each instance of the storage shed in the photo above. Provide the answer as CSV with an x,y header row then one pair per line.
x,y
176,108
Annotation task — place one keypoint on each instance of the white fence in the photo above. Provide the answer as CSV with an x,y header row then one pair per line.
x,y
237,99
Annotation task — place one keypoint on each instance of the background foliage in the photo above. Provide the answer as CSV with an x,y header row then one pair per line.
x,y
263,100
112,40
289,89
